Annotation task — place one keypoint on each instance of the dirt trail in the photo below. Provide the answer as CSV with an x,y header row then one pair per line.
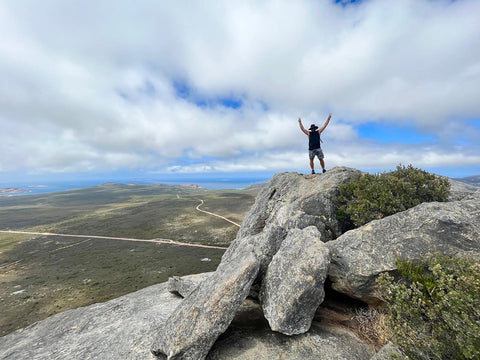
x,y
213,214
159,241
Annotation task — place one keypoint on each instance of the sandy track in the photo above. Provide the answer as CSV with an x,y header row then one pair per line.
x,y
158,241
213,214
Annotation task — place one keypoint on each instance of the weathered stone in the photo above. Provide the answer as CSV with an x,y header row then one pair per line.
x,y
124,328
388,352
184,285
202,316
320,343
473,196
291,201
459,190
293,286
250,338
360,255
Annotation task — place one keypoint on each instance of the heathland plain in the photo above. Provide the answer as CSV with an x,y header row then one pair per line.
x,y
41,275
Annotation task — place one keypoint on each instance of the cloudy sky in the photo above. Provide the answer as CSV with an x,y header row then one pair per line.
x,y
145,88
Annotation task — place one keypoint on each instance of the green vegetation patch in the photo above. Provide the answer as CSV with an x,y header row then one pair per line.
x,y
434,309
49,274
371,197
9,241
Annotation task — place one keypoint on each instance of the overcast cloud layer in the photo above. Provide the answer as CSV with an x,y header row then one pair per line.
x,y
217,86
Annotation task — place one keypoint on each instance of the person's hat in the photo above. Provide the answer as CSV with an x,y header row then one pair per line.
x,y
313,127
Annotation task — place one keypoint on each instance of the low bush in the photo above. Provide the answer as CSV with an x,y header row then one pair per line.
x,y
373,196
434,308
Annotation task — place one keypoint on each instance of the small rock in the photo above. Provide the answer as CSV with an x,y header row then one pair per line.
x,y
388,352
18,292
184,285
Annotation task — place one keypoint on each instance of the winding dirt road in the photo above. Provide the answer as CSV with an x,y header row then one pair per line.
x,y
219,216
158,241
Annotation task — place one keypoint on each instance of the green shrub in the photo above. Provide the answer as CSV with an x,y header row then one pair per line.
x,y
369,197
434,309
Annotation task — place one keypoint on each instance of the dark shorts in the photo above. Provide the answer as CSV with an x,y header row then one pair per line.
x,y
315,152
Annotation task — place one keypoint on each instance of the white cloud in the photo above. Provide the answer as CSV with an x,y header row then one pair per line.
x,y
90,86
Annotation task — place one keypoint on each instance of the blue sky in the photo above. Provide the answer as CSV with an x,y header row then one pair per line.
x,y
149,89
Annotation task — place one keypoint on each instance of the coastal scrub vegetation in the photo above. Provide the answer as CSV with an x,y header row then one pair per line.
x,y
434,308
373,196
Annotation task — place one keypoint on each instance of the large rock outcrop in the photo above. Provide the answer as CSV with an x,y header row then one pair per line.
x,y
360,255
296,212
288,243
290,201
124,328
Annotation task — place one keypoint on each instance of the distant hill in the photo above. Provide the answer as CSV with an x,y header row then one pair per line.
x,y
460,187
9,191
472,180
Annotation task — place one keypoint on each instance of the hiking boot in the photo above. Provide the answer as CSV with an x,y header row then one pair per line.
x,y
324,170
313,171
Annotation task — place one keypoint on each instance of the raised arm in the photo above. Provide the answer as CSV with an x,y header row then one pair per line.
x,y
326,123
301,126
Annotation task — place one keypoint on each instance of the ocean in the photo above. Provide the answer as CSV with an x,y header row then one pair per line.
x,y
49,186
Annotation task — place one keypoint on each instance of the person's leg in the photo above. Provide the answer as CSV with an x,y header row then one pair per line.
x,y
322,163
311,156
320,157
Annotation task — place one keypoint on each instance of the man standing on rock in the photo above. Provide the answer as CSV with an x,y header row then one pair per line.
x,y
314,148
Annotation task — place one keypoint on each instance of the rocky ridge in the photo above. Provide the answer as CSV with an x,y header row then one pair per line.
x,y
291,208
294,236
271,278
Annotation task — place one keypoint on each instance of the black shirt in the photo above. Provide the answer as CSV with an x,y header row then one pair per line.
x,y
314,140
